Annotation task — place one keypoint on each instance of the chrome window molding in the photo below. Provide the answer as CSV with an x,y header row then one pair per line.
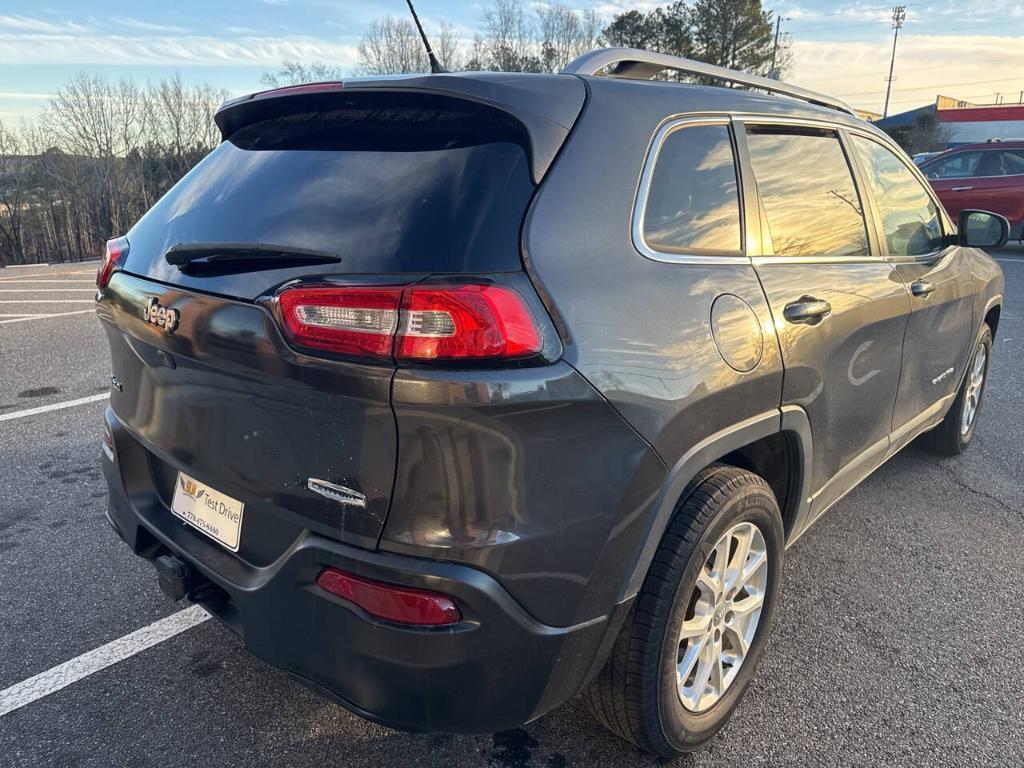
x,y
759,261
666,129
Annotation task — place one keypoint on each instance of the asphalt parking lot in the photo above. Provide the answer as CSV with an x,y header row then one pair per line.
x,y
897,641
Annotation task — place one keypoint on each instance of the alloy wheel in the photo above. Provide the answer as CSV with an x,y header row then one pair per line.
x,y
975,382
722,617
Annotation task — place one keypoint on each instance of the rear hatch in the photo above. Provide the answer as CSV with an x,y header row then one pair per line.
x,y
330,186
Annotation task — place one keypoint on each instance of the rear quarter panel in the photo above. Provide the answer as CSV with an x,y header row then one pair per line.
x,y
638,329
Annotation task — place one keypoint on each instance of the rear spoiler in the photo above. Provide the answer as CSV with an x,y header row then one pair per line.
x,y
546,105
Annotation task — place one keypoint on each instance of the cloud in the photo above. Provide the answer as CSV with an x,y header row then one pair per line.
x,y
29,24
176,50
129,22
922,69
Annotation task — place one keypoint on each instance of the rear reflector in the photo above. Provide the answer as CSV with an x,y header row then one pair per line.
x,y
465,321
401,605
115,250
350,321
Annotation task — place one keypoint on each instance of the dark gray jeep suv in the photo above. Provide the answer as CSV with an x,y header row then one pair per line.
x,y
458,395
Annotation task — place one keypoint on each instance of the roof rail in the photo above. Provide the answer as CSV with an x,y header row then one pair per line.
x,y
635,64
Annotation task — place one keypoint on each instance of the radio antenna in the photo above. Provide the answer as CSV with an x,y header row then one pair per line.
x,y
435,65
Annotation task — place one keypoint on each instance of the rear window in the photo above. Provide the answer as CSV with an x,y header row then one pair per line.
x,y
393,182
693,203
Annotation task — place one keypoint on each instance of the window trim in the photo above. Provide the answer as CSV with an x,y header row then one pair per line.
x,y
694,255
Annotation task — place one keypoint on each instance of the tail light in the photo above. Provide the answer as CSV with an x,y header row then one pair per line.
x,y
418,322
350,321
116,250
465,322
390,602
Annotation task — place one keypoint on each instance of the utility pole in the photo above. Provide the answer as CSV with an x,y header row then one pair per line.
x,y
775,50
899,14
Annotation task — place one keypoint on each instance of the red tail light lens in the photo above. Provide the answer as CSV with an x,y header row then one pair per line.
x,y
465,322
418,322
116,249
350,321
401,605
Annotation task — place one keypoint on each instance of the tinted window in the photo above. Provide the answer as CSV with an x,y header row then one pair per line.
x,y
808,194
693,203
962,165
1005,162
388,182
909,217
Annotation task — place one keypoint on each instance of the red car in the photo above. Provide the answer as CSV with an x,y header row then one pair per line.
x,y
988,176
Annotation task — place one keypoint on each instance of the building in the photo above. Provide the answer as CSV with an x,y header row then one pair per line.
x,y
965,123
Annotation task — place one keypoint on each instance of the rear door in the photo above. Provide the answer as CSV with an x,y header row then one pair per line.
x,y
940,325
953,178
1000,185
839,308
360,189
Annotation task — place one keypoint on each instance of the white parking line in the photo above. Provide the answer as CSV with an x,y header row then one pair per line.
x,y
53,407
49,281
9,278
63,675
22,317
46,290
46,301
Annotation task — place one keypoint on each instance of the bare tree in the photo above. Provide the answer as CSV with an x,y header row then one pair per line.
x,y
448,47
100,154
508,42
297,72
565,34
12,198
392,46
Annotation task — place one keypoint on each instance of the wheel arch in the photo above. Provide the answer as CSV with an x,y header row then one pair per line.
x,y
992,311
775,443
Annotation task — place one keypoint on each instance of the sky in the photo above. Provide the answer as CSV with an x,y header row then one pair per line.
x,y
968,48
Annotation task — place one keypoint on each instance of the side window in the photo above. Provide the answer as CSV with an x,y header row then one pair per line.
x,y
1005,162
962,165
808,194
693,202
909,217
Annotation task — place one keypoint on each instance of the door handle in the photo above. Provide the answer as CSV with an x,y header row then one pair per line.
x,y
807,310
921,287
960,189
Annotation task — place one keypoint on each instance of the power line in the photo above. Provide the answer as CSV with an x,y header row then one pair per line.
x,y
1018,78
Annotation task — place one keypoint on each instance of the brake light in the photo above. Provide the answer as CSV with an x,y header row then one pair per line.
x,y
401,605
465,321
303,88
350,321
115,250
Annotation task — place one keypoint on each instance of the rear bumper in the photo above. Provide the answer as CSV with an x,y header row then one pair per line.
x,y
496,669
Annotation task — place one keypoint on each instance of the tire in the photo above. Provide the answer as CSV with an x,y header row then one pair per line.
x,y
636,695
950,438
